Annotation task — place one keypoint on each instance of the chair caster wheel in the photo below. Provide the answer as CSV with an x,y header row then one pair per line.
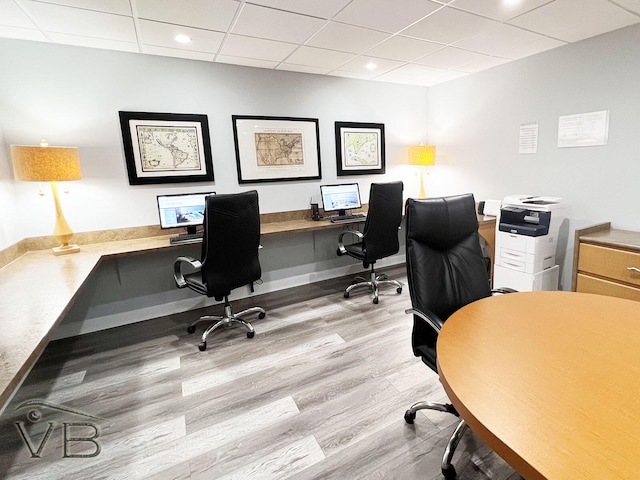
x,y
250,334
409,417
191,329
202,346
261,315
375,300
399,289
346,295
449,473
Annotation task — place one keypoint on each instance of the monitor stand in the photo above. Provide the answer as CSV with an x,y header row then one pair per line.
x,y
191,229
342,212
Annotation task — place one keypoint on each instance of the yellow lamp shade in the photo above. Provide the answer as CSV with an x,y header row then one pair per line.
x,y
45,164
422,155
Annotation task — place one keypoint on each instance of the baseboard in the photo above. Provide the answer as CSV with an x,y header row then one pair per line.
x,y
270,284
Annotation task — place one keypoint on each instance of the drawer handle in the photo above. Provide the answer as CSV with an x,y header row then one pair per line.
x,y
633,269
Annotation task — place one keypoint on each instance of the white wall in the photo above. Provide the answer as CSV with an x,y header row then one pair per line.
x,y
9,230
475,121
71,96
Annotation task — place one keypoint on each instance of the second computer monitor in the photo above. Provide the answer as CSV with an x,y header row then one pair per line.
x,y
340,198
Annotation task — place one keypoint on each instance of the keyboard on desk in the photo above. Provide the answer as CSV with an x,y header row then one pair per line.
x,y
356,217
186,238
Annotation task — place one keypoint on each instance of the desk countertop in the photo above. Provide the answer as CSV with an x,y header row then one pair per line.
x,y
550,381
38,288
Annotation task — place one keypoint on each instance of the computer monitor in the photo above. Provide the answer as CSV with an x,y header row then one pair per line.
x,y
340,198
182,210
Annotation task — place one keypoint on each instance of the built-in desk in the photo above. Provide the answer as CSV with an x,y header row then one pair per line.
x,y
37,289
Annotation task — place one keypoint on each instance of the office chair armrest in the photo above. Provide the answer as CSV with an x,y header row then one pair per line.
x,y
177,269
341,249
503,290
430,321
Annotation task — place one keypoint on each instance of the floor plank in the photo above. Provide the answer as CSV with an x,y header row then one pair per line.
x,y
318,393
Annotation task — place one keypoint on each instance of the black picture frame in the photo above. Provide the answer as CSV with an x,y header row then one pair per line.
x,y
166,147
360,148
276,149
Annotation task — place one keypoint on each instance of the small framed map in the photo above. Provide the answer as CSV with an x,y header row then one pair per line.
x,y
360,148
166,147
276,149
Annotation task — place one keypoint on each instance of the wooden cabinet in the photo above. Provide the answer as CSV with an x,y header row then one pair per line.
x,y
607,261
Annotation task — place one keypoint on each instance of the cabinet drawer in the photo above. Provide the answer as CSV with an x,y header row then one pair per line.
x,y
587,284
610,263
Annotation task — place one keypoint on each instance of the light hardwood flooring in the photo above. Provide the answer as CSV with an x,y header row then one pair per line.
x,y
318,393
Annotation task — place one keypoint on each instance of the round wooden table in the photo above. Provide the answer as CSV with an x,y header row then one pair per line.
x,y
550,381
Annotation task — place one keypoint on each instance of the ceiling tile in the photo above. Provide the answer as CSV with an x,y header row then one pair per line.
x,y
448,26
163,35
346,38
386,15
498,9
322,9
403,48
94,42
12,16
256,48
450,57
119,7
537,46
174,52
348,74
22,33
255,21
483,64
410,74
319,57
498,39
292,67
246,62
631,5
573,20
75,21
210,14
359,65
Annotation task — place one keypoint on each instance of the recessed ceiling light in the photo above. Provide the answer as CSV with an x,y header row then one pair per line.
x,y
371,66
183,38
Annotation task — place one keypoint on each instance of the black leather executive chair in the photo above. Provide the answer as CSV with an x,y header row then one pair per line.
x,y
229,258
446,270
379,238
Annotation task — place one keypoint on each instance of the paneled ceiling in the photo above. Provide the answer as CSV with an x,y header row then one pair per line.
x,y
418,42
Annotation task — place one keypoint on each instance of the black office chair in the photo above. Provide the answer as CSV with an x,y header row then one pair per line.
x,y
229,258
446,270
379,238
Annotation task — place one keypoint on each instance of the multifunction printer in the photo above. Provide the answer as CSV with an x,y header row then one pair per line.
x,y
526,242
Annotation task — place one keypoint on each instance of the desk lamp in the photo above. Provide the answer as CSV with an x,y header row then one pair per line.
x,y
49,164
422,155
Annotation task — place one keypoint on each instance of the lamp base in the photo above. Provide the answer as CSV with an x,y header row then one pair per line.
x,y
65,249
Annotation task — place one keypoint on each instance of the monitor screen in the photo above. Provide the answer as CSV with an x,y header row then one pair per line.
x,y
340,197
182,210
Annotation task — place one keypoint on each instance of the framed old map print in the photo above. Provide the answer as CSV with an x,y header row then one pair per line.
x,y
276,149
166,147
359,148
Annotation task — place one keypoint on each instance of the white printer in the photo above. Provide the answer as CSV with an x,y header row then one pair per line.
x,y
526,242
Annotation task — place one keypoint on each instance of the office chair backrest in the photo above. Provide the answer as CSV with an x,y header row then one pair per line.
x,y
445,265
380,233
230,243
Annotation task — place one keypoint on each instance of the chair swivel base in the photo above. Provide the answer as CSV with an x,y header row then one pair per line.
x,y
373,284
229,319
448,470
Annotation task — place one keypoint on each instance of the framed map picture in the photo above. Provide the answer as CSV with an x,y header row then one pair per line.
x,y
166,147
276,149
359,148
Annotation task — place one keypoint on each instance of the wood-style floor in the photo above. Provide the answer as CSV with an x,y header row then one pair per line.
x,y
318,393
